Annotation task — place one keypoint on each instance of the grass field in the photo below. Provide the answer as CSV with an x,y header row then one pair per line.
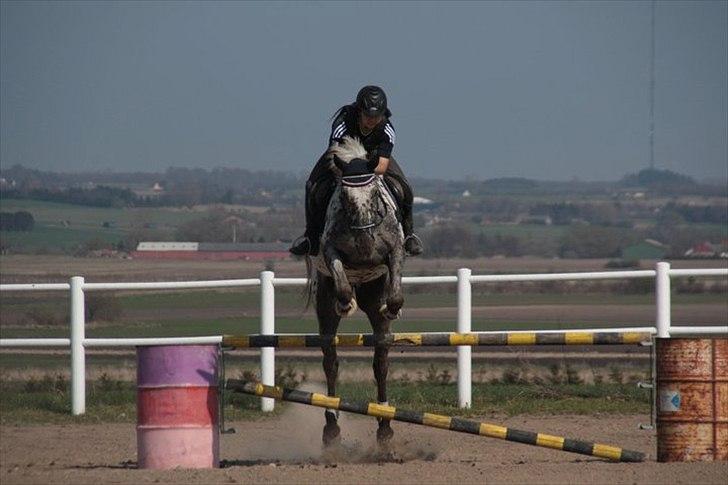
x,y
236,311
63,227
47,400
205,312
51,239
53,213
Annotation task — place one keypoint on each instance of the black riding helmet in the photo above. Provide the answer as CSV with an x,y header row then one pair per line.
x,y
372,101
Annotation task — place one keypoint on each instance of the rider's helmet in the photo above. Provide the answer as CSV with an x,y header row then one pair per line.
x,y
372,101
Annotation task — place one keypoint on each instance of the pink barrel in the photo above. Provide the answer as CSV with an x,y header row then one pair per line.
x,y
177,406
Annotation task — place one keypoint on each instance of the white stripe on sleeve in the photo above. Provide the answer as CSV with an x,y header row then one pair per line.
x,y
339,130
390,133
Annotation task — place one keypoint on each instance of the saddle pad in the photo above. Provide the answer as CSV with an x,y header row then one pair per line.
x,y
387,196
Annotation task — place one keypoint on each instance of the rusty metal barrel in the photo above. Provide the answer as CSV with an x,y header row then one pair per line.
x,y
177,406
692,406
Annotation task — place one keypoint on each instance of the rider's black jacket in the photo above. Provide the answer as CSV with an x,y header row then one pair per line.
x,y
379,142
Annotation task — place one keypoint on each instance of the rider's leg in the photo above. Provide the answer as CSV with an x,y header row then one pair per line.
x,y
412,243
318,181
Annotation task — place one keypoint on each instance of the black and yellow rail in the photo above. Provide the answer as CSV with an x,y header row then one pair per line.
x,y
435,339
613,453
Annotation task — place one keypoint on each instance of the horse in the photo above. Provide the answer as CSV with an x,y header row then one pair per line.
x,y
359,264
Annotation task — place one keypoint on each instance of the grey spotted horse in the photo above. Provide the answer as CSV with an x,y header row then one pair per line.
x,y
360,262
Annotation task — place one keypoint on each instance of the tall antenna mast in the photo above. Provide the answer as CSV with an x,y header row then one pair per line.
x,y
652,91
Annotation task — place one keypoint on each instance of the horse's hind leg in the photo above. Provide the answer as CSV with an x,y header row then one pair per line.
x,y
328,325
371,297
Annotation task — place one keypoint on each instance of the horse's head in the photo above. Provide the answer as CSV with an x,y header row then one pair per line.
x,y
359,184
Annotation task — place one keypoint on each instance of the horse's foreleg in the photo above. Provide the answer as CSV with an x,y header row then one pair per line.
x,y
371,296
395,300
331,369
346,304
328,325
381,369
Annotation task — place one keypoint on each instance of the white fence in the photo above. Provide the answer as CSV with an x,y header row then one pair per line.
x,y
268,282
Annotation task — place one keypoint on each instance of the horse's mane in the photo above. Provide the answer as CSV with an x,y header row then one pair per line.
x,y
350,149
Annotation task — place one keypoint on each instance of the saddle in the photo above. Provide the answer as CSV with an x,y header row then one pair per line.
x,y
392,194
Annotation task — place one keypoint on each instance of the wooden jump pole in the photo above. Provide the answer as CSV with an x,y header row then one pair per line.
x,y
436,421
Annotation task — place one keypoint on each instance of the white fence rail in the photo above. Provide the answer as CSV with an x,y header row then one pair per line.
x,y
268,282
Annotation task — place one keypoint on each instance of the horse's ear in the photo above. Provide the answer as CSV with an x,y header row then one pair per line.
x,y
338,163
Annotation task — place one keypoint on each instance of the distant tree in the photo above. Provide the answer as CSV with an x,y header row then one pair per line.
x,y
16,221
215,226
509,185
586,241
24,221
660,181
449,241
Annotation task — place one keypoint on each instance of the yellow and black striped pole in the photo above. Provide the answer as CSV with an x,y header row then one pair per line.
x,y
436,339
436,421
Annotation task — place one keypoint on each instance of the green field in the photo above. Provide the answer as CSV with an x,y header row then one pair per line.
x,y
251,325
206,312
53,213
293,299
48,239
63,227
47,400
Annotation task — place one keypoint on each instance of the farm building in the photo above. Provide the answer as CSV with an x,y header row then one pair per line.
x,y
211,251
708,250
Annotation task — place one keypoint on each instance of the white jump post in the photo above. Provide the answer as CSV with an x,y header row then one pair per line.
x,y
465,380
662,299
267,327
78,356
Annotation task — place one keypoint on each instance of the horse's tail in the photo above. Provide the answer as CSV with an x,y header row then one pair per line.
x,y
312,274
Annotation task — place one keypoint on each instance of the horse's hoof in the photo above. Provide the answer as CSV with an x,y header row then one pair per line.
x,y
346,310
384,311
384,435
331,435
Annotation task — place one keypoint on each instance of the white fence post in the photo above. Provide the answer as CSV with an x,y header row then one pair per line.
x,y
267,327
465,380
78,356
662,299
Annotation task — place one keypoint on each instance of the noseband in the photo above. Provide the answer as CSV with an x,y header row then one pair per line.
x,y
358,180
362,181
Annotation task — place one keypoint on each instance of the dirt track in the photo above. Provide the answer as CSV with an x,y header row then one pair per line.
x,y
693,314
286,449
47,268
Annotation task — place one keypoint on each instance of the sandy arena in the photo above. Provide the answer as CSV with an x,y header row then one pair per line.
x,y
286,449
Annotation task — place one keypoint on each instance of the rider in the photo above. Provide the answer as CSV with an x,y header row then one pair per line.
x,y
368,120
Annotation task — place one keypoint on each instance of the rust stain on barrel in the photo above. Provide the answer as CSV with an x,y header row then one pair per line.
x,y
692,408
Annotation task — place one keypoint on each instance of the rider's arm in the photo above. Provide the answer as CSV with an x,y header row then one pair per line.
x,y
385,149
338,129
382,166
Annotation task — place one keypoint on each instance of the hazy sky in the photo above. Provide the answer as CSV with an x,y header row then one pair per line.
x,y
544,90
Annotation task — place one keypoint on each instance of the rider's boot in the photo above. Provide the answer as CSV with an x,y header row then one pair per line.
x,y
304,245
309,243
412,243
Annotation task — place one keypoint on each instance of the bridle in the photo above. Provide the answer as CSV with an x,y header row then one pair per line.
x,y
356,181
